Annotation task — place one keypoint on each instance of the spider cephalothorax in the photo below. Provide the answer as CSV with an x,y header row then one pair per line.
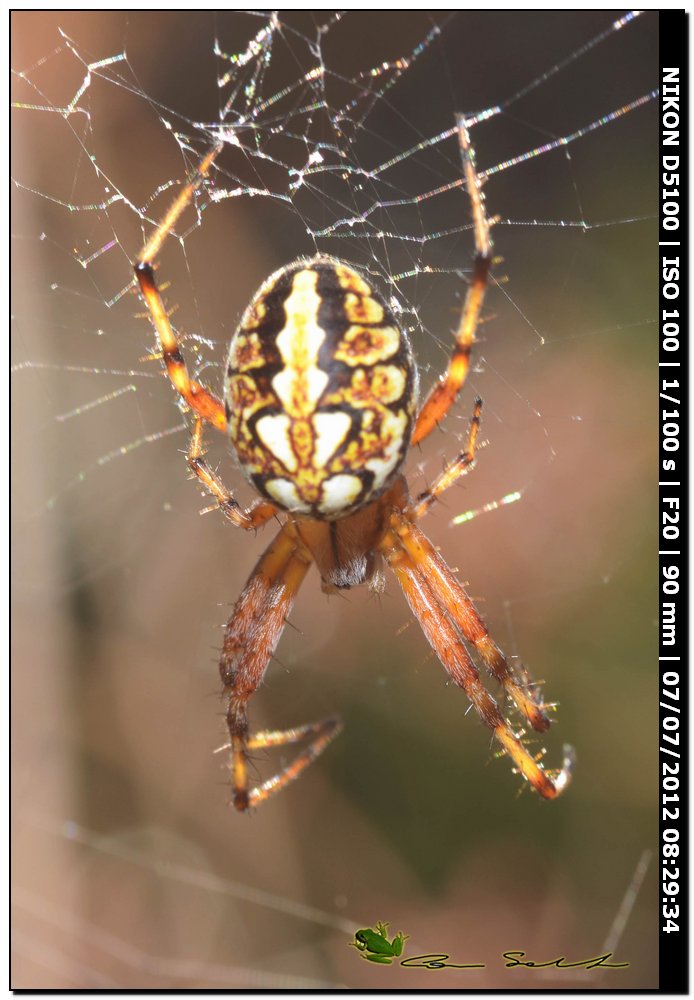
x,y
320,390
320,401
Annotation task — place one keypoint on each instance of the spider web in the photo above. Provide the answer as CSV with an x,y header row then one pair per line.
x,y
339,136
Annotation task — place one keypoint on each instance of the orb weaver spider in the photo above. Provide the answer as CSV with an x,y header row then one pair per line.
x,y
320,405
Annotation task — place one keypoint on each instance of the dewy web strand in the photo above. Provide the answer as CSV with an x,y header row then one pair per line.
x,y
251,114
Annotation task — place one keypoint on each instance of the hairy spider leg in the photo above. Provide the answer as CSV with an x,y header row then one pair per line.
x,y
200,399
460,465
255,626
250,638
446,390
252,517
323,732
516,681
436,598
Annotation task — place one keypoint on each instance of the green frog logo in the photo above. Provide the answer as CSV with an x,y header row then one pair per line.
x,y
375,946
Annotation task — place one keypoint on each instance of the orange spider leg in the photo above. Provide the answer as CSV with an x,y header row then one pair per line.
x,y
253,517
435,598
251,635
467,619
200,399
323,732
444,393
461,464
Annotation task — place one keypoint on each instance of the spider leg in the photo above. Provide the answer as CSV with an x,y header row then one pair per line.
x,y
250,637
444,393
323,733
254,516
447,617
461,464
200,399
516,681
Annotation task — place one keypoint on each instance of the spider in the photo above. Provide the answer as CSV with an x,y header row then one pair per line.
x,y
320,405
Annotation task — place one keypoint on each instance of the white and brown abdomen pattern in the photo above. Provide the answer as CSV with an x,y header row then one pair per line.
x,y
320,390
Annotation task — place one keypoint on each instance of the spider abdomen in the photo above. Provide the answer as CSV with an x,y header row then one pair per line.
x,y
320,390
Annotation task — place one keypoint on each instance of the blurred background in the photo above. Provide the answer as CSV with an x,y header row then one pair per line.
x,y
130,868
